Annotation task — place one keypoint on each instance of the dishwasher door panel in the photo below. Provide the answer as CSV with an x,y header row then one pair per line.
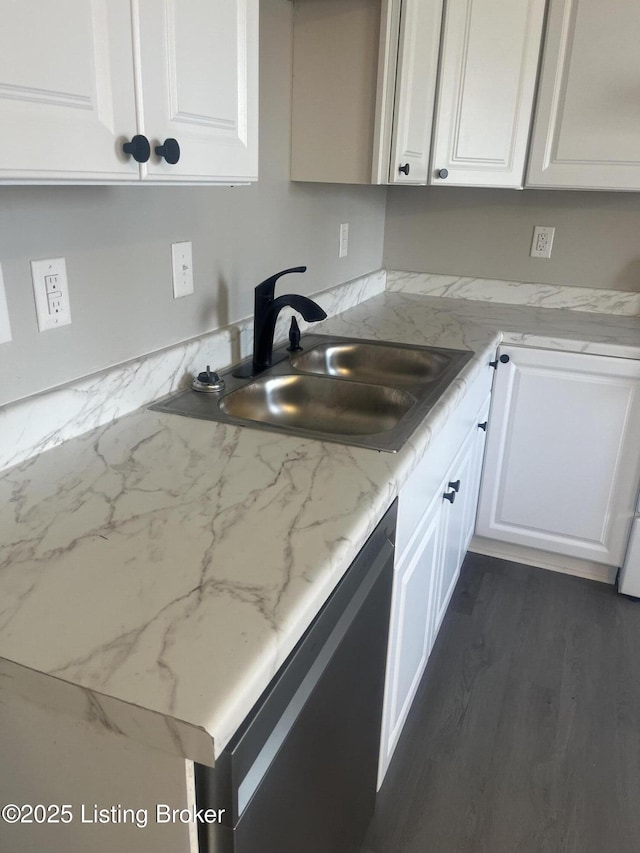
x,y
300,774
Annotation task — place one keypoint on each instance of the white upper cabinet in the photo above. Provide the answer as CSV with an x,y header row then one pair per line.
x,y
488,65
587,127
417,69
79,80
364,77
66,90
199,86
364,90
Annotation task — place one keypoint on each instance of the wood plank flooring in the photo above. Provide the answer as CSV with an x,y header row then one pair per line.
x,y
525,734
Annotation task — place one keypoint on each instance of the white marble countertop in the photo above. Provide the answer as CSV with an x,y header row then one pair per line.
x,y
155,572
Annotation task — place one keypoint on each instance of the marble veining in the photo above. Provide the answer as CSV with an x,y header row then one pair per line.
x,y
155,571
592,299
38,423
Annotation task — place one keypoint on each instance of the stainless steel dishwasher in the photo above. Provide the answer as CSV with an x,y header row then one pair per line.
x,y
300,773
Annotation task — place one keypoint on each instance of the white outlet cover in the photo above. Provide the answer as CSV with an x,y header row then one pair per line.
x,y
5,325
182,263
51,292
542,241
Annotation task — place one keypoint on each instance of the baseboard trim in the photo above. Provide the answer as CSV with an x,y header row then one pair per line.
x,y
542,560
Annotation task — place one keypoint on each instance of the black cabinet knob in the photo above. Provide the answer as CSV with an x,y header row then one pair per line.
x,y
483,425
170,150
443,174
405,169
504,358
138,148
455,485
449,496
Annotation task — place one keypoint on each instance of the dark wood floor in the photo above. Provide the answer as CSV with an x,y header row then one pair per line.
x,y
525,734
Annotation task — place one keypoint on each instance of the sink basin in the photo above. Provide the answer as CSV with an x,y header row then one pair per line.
x,y
365,393
389,364
319,404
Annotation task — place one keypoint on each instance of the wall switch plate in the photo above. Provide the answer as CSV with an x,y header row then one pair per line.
x,y
344,240
51,291
5,326
542,241
182,262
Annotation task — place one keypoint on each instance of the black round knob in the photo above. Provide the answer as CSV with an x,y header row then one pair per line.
x,y
170,150
449,496
504,358
443,173
483,426
455,485
405,169
138,148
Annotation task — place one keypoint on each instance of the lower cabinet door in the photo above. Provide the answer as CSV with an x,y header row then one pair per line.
x,y
411,629
459,501
425,579
563,459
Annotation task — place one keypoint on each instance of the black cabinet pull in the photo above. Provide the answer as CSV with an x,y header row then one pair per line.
x,y
170,150
455,485
406,168
504,358
449,496
443,173
483,425
138,148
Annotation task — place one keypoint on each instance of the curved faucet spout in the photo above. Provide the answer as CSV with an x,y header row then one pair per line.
x,y
266,313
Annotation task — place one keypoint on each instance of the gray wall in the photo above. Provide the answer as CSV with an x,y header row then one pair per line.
x,y
117,243
487,233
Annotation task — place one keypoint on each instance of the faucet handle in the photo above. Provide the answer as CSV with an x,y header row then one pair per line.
x,y
294,336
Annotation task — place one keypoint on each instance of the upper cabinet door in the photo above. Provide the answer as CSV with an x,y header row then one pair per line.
x,y
66,95
488,65
420,24
587,127
364,77
199,85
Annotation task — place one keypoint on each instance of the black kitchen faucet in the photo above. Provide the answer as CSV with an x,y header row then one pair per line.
x,y
266,310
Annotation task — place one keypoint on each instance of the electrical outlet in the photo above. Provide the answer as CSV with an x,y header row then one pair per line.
x,y
344,240
51,291
182,260
542,241
5,326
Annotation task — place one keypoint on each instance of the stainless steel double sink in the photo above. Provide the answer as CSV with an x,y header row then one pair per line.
x,y
348,390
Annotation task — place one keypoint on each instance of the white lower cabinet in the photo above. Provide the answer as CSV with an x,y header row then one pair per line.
x,y
412,627
432,538
563,458
459,500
